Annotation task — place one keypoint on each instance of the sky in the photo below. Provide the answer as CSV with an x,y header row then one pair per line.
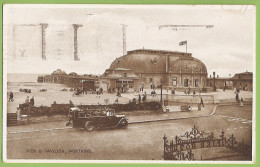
x,y
227,48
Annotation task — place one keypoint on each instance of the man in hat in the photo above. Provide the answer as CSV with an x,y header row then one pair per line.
x,y
11,96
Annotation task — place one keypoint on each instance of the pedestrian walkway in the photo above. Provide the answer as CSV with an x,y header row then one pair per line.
x,y
59,125
171,115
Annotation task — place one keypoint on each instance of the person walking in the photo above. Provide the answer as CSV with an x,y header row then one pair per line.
x,y
188,91
241,102
201,101
173,91
189,108
144,98
139,98
116,100
98,93
237,96
122,88
11,96
194,93
32,101
27,102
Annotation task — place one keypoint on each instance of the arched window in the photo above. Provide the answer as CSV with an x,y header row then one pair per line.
x,y
196,82
186,82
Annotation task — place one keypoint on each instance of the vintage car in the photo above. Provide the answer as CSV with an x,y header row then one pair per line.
x,y
95,118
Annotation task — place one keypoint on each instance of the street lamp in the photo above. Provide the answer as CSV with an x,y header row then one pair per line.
x,y
214,81
161,89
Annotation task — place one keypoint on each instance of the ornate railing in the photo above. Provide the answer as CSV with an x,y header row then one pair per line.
x,y
181,147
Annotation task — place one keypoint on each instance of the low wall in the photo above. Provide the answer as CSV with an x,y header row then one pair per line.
x,y
181,99
63,109
152,105
54,109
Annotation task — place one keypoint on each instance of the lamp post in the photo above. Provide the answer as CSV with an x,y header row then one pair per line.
x,y
214,81
161,90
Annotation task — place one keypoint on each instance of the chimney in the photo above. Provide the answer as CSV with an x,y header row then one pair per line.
x,y
217,76
167,63
210,76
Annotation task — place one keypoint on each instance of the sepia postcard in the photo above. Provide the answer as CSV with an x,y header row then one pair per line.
x,y
129,83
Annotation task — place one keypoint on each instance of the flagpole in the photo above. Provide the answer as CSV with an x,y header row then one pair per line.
x,y
186,45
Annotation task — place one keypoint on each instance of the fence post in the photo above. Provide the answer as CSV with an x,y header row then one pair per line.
x,y
232,141
164,143
222,136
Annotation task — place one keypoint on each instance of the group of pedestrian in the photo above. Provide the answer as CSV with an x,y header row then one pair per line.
x,y
152,86
199,105
187,91
141,88
142,98
99,92
29,102
238,100
153,93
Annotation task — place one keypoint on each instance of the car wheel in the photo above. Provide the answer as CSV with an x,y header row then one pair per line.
x,y
89,126
123,124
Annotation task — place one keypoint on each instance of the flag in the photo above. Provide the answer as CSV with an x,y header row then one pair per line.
x,y
183,43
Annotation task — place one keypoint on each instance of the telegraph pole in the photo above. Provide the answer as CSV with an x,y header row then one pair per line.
x,y
124,38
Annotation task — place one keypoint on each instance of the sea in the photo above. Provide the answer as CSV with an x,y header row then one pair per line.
x,y
17,81
22,77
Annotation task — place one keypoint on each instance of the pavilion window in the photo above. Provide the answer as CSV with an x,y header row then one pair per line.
x,y
186,82
174,81
196,82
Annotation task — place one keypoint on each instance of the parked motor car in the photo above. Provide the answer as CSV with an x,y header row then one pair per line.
x,y
91,119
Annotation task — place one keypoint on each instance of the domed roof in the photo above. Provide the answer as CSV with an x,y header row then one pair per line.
x,y
188,66
150,61
73,74
58,72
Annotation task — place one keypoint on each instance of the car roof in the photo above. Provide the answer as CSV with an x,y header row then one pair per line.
x,y
91,109
75,108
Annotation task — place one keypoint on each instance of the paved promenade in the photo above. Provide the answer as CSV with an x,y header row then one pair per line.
x,y
54,94
60,124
